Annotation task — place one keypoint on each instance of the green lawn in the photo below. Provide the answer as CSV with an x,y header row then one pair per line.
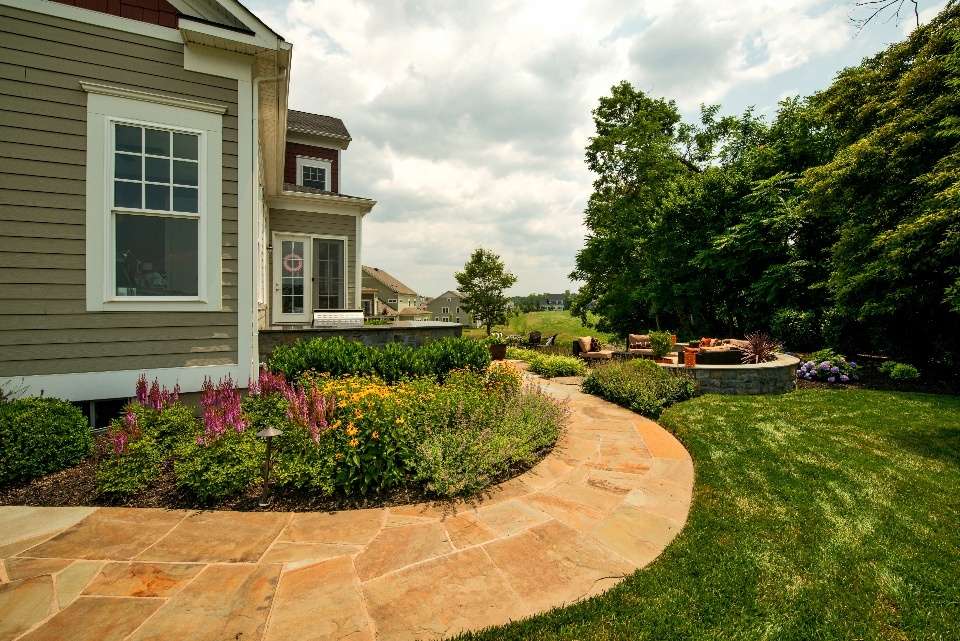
x,y
547,323
817,515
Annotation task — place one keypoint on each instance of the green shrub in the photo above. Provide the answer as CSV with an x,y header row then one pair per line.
x,y
795,328
448,354
641,385
548,365
141,441
521,354
661,343
39,436
467,437
899,371
826,354
131,470
551,366
394,362
222,468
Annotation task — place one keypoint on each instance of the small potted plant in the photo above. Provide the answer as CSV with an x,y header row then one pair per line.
x,y
497,346
661,343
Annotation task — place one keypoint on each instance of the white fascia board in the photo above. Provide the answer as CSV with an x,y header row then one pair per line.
x,y
321,203
98,18
313,139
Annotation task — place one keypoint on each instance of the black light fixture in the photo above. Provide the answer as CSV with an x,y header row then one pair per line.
x,y
268,435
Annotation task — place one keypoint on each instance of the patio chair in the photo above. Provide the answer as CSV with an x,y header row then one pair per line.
x,y
534,339
550,341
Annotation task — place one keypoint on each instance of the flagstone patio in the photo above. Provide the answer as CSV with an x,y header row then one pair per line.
x,y
613,493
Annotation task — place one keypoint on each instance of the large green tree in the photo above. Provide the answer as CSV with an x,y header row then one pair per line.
x,y
482,283
842,211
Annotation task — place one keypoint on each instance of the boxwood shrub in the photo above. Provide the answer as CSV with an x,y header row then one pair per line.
x,y
639,384
393,362
39,436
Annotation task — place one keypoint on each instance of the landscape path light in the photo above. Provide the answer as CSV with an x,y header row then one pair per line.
x,y
267,434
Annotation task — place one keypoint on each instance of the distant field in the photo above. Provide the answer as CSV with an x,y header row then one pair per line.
x,y
548,323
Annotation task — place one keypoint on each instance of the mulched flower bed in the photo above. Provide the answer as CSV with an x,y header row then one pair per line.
x,y
77,486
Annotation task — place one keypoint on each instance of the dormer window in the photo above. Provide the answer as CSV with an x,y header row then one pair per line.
x,y
314,172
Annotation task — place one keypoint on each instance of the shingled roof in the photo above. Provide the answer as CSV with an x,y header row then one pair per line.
x,y
391,282
308,123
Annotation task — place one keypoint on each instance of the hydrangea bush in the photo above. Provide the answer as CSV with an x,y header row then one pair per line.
x,y
827,366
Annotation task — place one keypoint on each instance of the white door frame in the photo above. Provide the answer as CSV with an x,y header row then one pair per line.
x,y
308,302
278,316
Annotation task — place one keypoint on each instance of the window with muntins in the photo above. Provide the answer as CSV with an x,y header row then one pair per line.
x,y
156,210
329,282
315,177
314,172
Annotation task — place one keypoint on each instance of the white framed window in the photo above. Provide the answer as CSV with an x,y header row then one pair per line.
x,y
444,310
392,300
154,193
314,172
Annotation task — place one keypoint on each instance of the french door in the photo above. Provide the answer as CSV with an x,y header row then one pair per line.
x,y
309,272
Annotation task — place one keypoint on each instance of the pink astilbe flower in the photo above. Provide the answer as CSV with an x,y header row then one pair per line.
x,y
308,409
267,383
129,430
142,389
221,409
156,396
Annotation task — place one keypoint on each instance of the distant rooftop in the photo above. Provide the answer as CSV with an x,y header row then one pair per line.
x,y
390,281
308,123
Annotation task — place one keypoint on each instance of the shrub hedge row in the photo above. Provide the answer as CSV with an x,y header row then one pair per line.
x,y
392,362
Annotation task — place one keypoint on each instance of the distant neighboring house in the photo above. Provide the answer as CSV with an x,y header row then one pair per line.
x,y
161,203
390,290
555,302
448,307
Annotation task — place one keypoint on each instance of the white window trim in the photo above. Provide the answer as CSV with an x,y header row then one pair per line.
x,y
104,108
306,161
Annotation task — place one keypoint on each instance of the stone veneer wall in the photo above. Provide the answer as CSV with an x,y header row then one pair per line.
x,y
408,332
775,377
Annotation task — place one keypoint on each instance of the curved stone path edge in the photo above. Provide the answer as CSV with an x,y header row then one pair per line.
x,y
606,501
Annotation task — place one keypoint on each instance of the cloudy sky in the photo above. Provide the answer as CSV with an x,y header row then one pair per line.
x,y
469,119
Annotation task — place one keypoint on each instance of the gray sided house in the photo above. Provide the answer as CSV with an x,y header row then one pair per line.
x,y
387,296
448,306
160,205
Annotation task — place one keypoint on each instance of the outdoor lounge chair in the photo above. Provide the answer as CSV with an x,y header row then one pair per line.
x,y
581,348
534,339
550,341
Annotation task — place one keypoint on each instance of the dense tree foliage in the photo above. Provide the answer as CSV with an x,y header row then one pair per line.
x,y
482,282
837,223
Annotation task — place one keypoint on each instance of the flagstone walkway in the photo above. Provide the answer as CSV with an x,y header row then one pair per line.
x,y
606,501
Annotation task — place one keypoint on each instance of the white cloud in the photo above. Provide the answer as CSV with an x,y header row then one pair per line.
x,y
469,119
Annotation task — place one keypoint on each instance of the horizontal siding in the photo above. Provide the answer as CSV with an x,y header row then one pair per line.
x,y
111,363
44,326
301,222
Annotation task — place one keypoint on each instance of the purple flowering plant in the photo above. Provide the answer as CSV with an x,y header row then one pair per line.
x,y
829,368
